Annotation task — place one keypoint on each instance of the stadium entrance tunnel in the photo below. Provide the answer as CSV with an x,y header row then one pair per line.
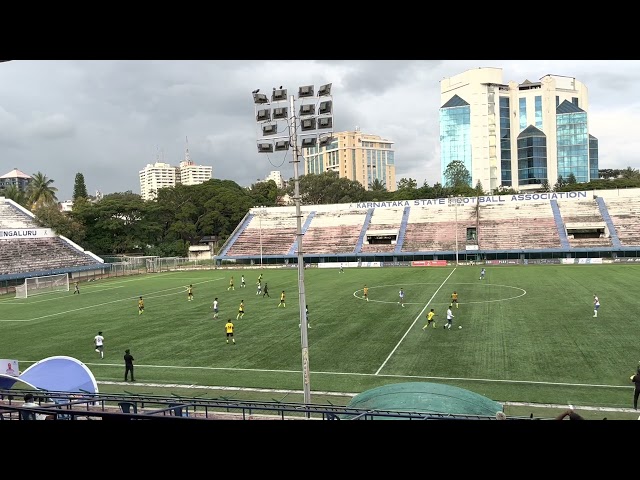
x,y
427,398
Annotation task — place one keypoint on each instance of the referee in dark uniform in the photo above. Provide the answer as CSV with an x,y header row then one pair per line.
x,y
636,380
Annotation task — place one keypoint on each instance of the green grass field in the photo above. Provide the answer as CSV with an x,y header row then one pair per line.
x,y
528,332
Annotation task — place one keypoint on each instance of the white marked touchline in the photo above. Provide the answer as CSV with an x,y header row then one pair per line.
x,y
414,322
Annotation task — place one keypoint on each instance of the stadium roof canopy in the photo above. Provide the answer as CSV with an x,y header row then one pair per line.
x,y
55,374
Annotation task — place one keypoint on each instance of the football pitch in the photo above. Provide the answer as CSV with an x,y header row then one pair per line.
x,y
528,332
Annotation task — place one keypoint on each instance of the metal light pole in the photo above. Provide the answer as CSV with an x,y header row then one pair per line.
x,y
311,126
457,231
306,381
260,222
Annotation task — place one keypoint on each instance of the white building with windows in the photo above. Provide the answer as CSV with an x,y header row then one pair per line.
x,y
155,176
518,134
276,176
162,175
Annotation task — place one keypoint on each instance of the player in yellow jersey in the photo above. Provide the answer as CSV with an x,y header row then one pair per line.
x,y
229,329
282,300
190,292
231,287
240,310
365,293
430,319
454,298
140,306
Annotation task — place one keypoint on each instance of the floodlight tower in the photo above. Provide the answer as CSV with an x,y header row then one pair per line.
x,y
279,127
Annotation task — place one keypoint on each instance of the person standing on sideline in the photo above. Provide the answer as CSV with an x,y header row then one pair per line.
x,y
282,304
231,287
482,273
190,293
636,380
401,294
366,293
266,290
128,365
229,329
215,307
454,298
242,284
259,287
596,305
140,306
76,288
240,310
98,341
430,319
450,316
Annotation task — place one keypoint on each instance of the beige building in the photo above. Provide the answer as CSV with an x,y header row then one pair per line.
x,y
356,156
516,135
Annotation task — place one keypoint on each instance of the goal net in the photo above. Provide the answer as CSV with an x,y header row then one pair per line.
x,y
45,284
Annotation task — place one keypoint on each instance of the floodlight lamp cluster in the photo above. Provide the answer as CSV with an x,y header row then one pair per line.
x,y
315,118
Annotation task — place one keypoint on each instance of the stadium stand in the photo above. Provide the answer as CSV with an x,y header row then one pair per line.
x,y
584,216
384,222
433,228
28,250
519,226
514,226
625,214
333,232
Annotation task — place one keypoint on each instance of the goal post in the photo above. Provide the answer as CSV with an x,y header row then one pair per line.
x,y
45,284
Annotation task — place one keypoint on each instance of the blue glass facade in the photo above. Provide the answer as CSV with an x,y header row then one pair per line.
x,y
538,111
377,161
532,157
593,158
522,108
573,145
505,143
455,137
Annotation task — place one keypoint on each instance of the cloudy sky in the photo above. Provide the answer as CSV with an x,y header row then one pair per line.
x,y
108,119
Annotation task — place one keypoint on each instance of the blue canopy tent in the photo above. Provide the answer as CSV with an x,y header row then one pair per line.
x,y
55,374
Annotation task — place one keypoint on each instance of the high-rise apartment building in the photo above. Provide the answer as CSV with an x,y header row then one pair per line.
x,y
357,156
516,135
155,176
162,175
276,176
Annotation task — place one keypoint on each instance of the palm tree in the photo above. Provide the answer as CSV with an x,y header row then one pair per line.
x,y
12,192
377,186
41,192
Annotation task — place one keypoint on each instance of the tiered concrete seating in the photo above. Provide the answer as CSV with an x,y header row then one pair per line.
x,y
383,219
11,217
433,228
516,226
276,232
333,232
576,212
39,254
624,212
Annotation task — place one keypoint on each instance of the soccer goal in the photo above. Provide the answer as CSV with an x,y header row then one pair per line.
x,y
46,284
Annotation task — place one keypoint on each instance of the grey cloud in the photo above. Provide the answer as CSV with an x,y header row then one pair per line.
x,y
116,115
52,126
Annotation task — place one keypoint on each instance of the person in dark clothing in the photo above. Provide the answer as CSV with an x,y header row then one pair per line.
x,y
128,365
635,378
266,291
